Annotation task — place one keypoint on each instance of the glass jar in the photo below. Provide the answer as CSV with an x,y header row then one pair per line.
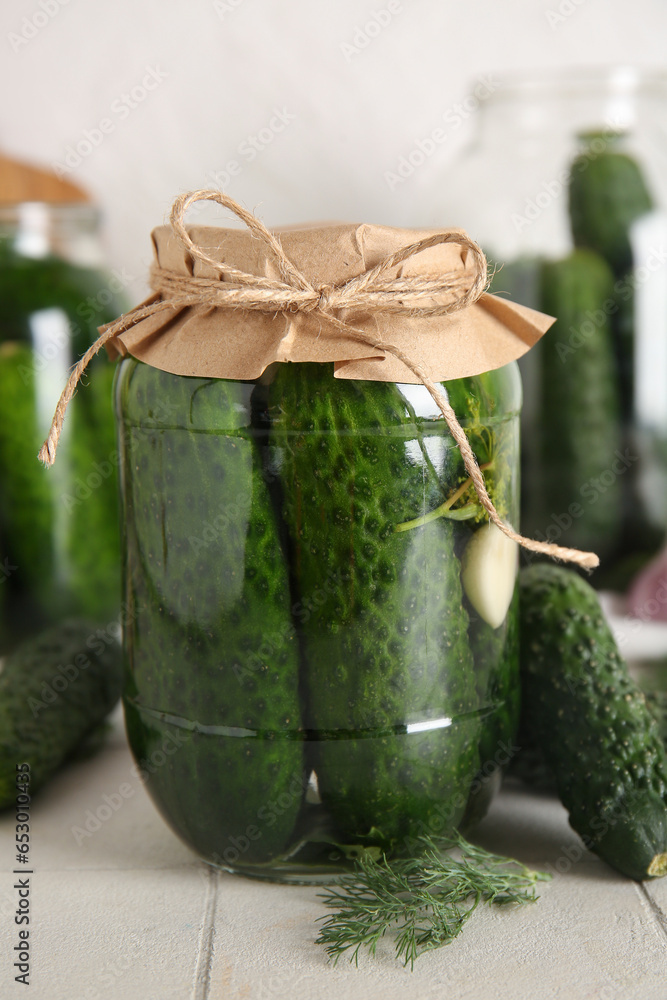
x,y
565,186
321,641
59,528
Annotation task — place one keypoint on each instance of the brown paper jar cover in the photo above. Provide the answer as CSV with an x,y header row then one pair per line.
x,y
234,343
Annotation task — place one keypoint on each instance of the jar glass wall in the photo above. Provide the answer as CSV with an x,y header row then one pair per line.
x,y
319,660
58,528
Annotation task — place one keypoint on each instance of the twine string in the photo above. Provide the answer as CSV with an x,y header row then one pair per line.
x,y
372,291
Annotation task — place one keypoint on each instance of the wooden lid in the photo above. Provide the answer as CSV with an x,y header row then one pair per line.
x,y
21,182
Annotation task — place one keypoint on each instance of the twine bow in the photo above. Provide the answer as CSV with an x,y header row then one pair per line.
x,y
372,291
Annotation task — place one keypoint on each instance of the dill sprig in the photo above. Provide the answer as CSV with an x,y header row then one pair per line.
x,y
425,900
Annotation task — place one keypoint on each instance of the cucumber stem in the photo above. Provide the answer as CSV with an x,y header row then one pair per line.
x,y
658,866
444,508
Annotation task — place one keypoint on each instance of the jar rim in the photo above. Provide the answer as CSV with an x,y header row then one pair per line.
x,y
65,212
67,229
579,81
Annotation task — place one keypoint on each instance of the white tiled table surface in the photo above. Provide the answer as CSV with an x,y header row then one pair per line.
x,y
130,913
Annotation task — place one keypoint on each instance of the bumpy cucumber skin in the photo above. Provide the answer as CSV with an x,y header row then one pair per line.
x,y
387,643
607,194
42,722
590,721
495,651
62,541
210,640
496,656
577,429
530,767
398,782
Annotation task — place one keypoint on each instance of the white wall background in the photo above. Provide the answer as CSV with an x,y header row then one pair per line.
x,y
224,66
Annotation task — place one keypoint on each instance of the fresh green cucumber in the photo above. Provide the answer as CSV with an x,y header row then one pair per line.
x,y
607,194
590,721
494,646
496,656
54,690
28,502
573,458
212,653
386,647
529,764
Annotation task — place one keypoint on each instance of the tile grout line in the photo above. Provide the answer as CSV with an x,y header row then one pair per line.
x,y
655,910
205,955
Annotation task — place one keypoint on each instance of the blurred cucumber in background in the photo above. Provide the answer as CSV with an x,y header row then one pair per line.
x,y
565,185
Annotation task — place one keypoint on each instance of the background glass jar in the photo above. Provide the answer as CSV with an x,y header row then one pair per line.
x,y
565,185
307,677
59,528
